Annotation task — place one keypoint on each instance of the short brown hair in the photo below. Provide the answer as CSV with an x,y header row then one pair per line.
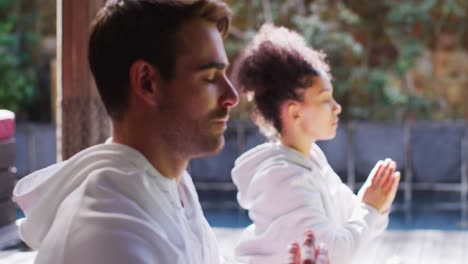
x,y
127,30
275,67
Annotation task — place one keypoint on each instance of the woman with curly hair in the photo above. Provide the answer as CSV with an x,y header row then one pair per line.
x,y
287,184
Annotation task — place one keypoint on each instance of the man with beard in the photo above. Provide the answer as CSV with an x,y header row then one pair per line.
x,y
160,68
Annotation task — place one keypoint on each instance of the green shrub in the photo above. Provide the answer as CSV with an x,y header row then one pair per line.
x,y
17,76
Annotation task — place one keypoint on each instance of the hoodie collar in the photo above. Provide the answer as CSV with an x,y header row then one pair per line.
x,y
136,158
295,156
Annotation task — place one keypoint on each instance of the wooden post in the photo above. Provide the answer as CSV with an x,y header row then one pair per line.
x,y
81,117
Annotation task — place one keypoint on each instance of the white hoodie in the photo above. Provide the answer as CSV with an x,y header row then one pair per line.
x,y
108,205
287,194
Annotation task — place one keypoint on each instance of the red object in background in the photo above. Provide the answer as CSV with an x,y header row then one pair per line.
x,y
7,124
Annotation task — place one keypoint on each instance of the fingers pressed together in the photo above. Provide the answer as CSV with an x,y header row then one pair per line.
x,y
309,253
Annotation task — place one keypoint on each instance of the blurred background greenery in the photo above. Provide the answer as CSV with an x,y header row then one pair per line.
x,y
27,51
391,59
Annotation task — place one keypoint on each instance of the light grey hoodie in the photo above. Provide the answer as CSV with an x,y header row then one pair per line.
x,y
287,194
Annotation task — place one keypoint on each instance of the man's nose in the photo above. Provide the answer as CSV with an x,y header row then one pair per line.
x,y
229,97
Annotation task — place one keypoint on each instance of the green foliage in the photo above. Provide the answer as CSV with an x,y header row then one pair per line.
x,y
370,45
17,77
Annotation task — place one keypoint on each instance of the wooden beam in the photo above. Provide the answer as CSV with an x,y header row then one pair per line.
x,y
81,117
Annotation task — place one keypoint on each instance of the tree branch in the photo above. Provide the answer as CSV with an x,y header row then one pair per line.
x,y
236,32
267,11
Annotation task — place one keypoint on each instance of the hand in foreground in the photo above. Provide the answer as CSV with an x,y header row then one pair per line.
x,y
310,253
380,188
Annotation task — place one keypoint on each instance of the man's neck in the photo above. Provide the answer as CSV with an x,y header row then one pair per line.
x,y
155,150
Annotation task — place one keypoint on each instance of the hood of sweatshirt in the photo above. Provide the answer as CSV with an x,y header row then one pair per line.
x,y
41,193
254,161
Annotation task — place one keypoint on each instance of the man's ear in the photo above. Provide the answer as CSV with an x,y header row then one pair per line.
x,y
144,82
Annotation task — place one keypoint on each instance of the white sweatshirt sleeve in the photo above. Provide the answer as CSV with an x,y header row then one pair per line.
x,y
292,201
350,200
380,220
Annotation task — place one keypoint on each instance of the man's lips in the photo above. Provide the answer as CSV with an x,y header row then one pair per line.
x,y
221,120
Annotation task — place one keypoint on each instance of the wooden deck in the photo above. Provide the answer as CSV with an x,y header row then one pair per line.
x,y
411,247
15,257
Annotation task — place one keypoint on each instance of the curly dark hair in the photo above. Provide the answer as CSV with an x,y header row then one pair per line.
x,y
127,30
276,66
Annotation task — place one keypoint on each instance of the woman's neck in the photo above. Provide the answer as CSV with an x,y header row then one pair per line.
x,y
298,142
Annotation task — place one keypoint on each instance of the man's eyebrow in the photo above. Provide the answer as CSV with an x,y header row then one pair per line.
x,y
213,65
326,90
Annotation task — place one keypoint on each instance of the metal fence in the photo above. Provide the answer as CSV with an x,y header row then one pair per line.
x,y
431,155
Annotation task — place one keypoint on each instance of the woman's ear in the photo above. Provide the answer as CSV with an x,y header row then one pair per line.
x,y
293,109
290,113
144,81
